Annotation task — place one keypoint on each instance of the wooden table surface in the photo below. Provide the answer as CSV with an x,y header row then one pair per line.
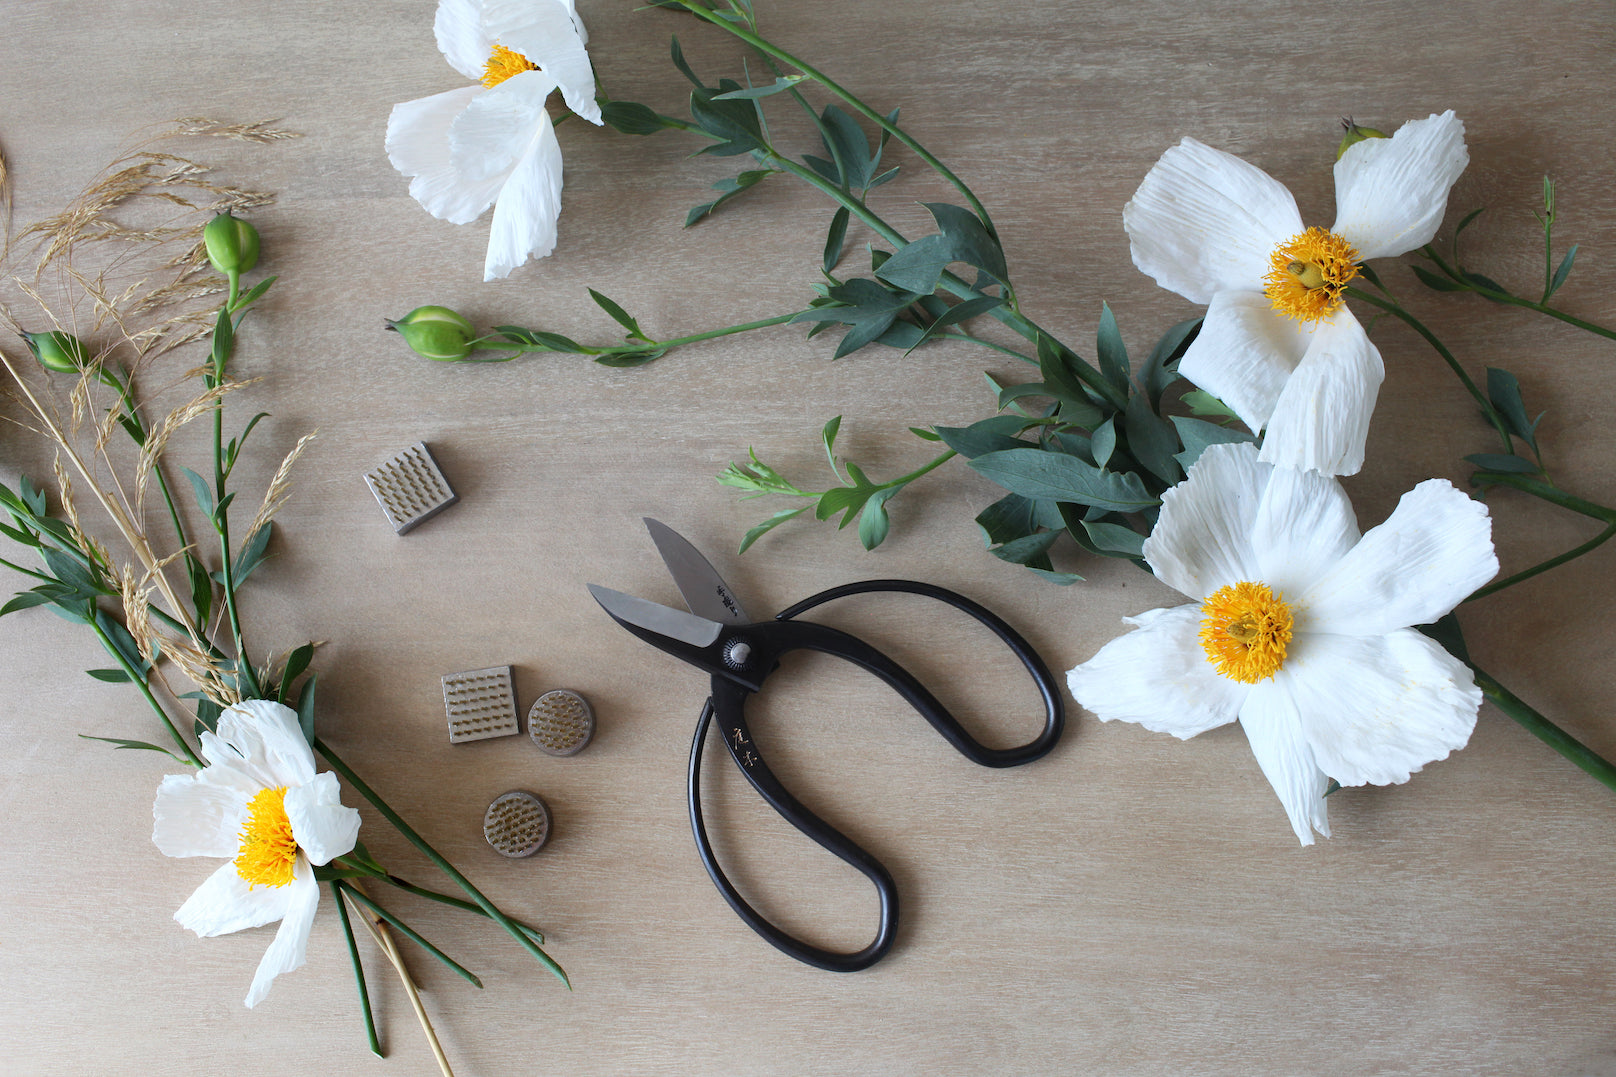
x,y
1131,904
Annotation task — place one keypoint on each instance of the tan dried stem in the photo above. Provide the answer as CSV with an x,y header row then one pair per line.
x,y
384,939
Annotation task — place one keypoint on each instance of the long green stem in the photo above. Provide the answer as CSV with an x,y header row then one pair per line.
x,y
457,903
359,971
1544,566
1397,311
407,931
675,342
769,49
1497,296
493,911
1552,494
145,689
1545,730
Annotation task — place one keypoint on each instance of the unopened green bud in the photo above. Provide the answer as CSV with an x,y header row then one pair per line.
x,y
58,351
437,333
1355,134
232,244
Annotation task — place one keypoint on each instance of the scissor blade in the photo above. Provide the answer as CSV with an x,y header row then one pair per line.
x,y
653,617
704,590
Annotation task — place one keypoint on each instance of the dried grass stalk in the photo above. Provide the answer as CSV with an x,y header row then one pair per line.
x,y
280,486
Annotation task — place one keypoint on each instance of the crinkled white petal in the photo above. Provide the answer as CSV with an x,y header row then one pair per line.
x,y
1202,539
495,129
1244,354
1431,552
1391,193
200,815
1321,419
1274,729
1304,525
525,216
1158,676
291,944
226,903
418,146
546,33
268,734
323,828
458,27
1377,708
1203,221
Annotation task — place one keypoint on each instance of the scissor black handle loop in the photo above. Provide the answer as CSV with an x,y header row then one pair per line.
x,y
767,642
727,703
861,653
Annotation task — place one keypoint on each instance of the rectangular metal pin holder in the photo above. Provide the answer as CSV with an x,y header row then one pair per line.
x,y
480,703
410,488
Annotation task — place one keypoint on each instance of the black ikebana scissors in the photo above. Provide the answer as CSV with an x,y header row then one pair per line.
x,y
739,653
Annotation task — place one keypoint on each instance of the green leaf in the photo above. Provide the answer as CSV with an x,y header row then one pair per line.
x,y
553,341
1467,220
201,588
110,676
918,266
1196,435
1446,632
131,744
296,663
873,521
251,554
122,643
827,435
851,164
1115,539
769,525
1064,374
729,188
26,600
684,67
985,436
632,358
1151,439
1103,442
734,124
255,294
1486,282
305,708
1202,402
1435,282
959,312
224,337
71,568
1050,476
835,239
1561,273
1109,349
1511,464
207,712
631,118
1504,392
925,435
1161,369
779,85
204,493
618,315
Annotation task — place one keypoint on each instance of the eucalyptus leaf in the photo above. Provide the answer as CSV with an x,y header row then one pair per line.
x,y
1115,539
1151,439
834,240
1197,434
1110,351
1504,392
874,523
24,600
985,436
618,315
1511,464
1161,369
1103,442
1051,476
631,118
203,492
1561,273
769,525
296,663
110,676
1435,282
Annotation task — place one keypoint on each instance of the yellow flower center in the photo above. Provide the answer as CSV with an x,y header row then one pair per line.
x,y
503,64
1309,274
1244,630
268,851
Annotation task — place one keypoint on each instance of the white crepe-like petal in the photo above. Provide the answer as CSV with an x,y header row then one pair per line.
x,y
1203,221
1429,554
1274,730
195,817
1202,539
1244,353
458,27
418,146
226,903
280,741
495,129
525,216
1304,525
323,828
290,948
1378,708
546,33
1391,193
1321,420
1158,676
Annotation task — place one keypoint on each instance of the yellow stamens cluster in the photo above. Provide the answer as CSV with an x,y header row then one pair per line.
x,y
1309,275
503,65
1244,630
268,851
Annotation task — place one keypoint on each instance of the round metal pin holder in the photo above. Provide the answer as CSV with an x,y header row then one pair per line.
x,y
517,824
561,722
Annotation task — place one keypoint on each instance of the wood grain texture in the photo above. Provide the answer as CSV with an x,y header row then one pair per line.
x,y
1130,905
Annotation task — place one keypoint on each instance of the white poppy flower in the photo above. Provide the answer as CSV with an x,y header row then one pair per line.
x,y
1278,346
1300,627
259,802
492,143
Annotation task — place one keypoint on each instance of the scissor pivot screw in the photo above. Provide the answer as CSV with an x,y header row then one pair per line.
x,y
736,654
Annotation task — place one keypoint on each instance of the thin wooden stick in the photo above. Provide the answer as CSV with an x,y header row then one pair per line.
x,y
384,939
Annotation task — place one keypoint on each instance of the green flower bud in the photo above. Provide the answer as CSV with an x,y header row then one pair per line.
x,y
437,333
232,244
58,351
1355,135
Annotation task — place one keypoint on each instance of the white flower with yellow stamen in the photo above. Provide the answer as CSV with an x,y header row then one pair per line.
x,y
492,143
260,803
1278,346
1301,628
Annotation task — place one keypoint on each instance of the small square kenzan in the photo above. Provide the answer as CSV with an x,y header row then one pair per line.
x,y
410,488
480,703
